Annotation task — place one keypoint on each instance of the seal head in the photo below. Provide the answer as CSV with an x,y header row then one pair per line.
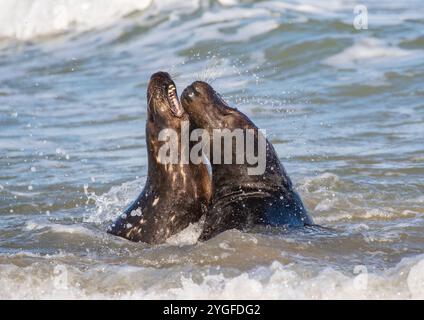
x,y
241,200
175,194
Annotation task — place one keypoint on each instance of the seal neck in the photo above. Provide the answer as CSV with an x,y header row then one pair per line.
x,y
167,127
227,178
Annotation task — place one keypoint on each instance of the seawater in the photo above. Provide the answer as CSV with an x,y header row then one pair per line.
x,y
343,108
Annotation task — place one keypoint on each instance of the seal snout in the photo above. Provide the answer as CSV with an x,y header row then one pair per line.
x,y
201,87
196,89
188,94
160,76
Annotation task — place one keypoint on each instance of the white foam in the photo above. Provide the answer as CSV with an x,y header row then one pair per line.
x,y
111,204
189,235
330,203
368,51
57,228
228,2
325,8
29,19
416,280
27,254
47,280
320,182
234,13
356,213
254,29
26,19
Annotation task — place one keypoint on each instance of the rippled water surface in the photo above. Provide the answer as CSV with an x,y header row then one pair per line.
x,y
344,109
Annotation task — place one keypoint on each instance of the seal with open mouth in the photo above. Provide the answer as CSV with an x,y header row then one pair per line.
x,y
241,200
175,194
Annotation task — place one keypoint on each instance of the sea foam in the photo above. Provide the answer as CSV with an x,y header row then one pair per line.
x,y
53,280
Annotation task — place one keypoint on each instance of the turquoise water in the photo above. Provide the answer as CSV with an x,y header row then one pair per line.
x,y
343,107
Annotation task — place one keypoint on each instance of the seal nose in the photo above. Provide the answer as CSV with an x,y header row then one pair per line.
x,y
160,75
189,93
197,88
158,80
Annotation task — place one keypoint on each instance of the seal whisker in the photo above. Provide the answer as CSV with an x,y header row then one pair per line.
x,y
210,71
150,99
175,74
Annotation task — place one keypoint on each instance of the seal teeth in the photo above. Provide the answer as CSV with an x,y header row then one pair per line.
x,y
171,91
173,100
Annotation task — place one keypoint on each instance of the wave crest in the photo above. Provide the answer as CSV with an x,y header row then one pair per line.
x,y
26,19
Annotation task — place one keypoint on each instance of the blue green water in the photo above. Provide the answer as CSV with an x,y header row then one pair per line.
x,y
343,107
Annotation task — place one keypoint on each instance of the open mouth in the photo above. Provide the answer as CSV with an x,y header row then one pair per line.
x,y
175,104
